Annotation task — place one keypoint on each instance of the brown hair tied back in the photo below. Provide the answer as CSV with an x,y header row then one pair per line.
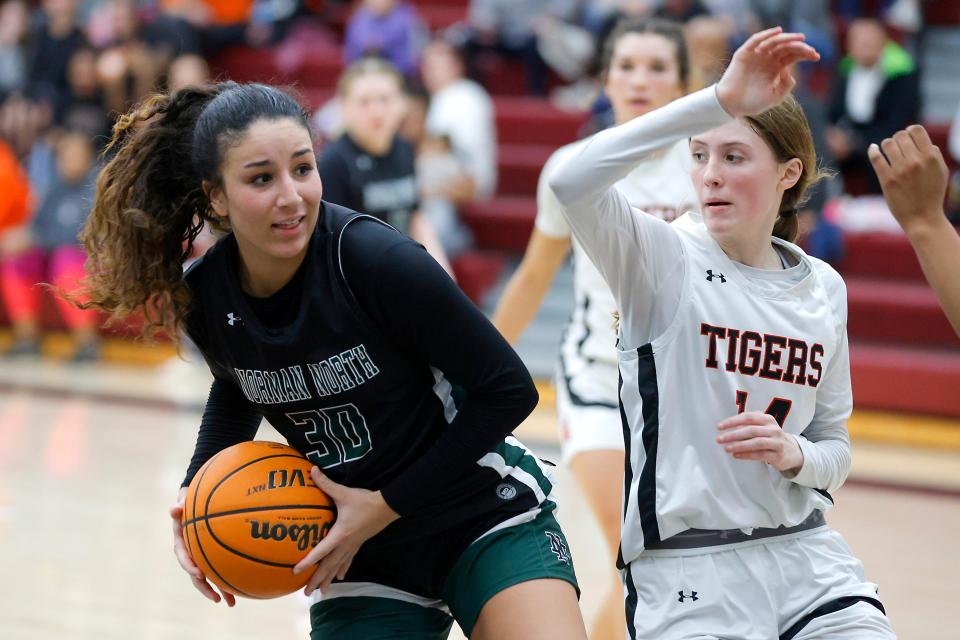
x,y
786,130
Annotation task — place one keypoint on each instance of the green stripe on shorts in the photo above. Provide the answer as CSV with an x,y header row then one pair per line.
x,y
521,458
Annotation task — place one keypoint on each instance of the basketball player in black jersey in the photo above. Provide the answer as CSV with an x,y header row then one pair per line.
x,y
347,337
369,167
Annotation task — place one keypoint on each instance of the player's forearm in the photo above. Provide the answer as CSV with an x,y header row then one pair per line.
x,y
520,302
826,463
938,249
610,155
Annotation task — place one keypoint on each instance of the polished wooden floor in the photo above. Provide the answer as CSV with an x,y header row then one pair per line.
x,y
91,457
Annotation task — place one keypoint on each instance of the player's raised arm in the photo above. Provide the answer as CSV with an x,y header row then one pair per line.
x,y
600,218
914,177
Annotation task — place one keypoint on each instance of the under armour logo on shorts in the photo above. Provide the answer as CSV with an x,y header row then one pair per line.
x,y
233,319
558,546
683,596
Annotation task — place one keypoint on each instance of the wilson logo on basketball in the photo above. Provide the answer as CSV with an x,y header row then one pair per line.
x,y
281,478
306,536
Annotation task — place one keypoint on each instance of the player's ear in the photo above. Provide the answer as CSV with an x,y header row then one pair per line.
x,y
218,200
790,173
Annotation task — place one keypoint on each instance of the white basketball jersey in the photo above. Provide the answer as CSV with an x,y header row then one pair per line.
x,y
660,186
734,345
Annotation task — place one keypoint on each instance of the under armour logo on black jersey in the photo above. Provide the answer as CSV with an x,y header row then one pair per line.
x,y
683,596
711,275
558,546
234,320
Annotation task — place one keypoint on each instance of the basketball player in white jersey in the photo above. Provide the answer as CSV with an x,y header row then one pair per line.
x,y
646,65
735,384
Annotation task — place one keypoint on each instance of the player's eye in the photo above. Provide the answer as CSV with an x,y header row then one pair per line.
x,y
261,178
305,169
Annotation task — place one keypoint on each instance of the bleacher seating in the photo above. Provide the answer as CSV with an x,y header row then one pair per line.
x,y
905,356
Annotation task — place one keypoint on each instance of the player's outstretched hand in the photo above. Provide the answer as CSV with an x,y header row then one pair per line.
x,y
361,514
187,563
758,77
913,176
757,436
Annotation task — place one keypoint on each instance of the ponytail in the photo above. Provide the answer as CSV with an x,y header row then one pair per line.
x,y
786,130
148,202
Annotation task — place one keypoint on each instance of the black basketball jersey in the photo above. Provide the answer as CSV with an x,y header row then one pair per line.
x,y
382,186
360,380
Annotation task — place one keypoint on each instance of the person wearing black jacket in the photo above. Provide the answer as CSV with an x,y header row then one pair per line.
x,y
370,168
348,338
876,94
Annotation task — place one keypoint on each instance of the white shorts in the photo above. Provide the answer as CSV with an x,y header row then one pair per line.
x,y
795,587
588,409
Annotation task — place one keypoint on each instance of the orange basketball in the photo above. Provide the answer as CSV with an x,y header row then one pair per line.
x,y
251,513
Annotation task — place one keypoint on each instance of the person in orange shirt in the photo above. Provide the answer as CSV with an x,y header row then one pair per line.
x,y
15,189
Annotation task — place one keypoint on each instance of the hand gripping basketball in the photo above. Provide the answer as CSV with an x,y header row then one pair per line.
x,y
186,562
251,512
361,514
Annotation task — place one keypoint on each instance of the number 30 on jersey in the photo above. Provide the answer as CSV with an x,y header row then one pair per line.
x,y
340,433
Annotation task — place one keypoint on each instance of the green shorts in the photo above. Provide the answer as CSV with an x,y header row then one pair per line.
x,y
530,551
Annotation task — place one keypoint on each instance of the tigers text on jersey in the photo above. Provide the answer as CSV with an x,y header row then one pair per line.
x,y
357,387
703,338
733,346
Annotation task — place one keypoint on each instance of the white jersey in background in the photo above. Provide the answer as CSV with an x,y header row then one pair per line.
x,y
661,187
702,338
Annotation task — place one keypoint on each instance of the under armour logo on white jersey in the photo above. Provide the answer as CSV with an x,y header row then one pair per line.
x,y
711,275
692,596
558,546
234,320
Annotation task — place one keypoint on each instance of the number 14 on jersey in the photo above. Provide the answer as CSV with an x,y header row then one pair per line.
x,y
778,407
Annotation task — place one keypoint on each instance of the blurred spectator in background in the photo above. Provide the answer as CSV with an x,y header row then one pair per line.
x,y
508,28
437,168
388,28
14,22
15,187
414,125
53,42
370,168
877,93
86,100
133,55
187,70
212,25
46,249
681,10
905,15
463,111
812,18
